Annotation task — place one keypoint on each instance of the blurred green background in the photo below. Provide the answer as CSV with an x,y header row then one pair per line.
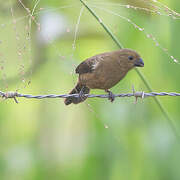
x,y
44,139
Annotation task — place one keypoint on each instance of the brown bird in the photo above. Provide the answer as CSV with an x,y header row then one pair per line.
x,y
103,71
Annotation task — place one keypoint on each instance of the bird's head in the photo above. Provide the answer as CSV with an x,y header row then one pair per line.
x,y
130,58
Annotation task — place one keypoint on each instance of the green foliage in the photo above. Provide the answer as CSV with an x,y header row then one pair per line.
x,y
43,139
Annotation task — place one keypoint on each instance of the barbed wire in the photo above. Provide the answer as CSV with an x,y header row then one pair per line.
x,y
14,95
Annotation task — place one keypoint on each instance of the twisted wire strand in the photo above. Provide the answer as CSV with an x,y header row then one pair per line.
x,y
142,94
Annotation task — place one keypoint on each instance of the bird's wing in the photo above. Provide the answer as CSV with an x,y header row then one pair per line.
x,y
89,65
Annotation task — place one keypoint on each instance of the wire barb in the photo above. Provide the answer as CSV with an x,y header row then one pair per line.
x,y
137,94
9,94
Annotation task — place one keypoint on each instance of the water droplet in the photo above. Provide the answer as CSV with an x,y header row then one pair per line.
x,y
148,35
141,29
127,6
136,26
100,20
106,126
19,53
175,60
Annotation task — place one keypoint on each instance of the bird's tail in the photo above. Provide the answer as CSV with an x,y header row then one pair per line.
x,y
79,89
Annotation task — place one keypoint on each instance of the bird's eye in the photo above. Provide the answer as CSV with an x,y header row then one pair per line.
x,y
130,57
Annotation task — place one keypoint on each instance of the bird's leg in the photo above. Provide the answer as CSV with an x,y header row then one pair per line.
x,y
111,95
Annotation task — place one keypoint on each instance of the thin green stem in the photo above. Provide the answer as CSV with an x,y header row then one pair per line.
x,y
141,75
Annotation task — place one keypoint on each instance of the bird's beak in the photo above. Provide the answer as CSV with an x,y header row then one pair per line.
x,y
139,63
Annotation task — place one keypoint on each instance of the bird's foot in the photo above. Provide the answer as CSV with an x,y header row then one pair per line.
x,y
111,95
81,94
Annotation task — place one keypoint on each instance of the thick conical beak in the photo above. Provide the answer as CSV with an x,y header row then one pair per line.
x,y
139,63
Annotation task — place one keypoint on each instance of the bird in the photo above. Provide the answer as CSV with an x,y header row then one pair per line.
x,y
103,71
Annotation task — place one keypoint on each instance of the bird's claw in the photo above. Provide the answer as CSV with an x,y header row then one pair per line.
x,y
111,96
81,95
